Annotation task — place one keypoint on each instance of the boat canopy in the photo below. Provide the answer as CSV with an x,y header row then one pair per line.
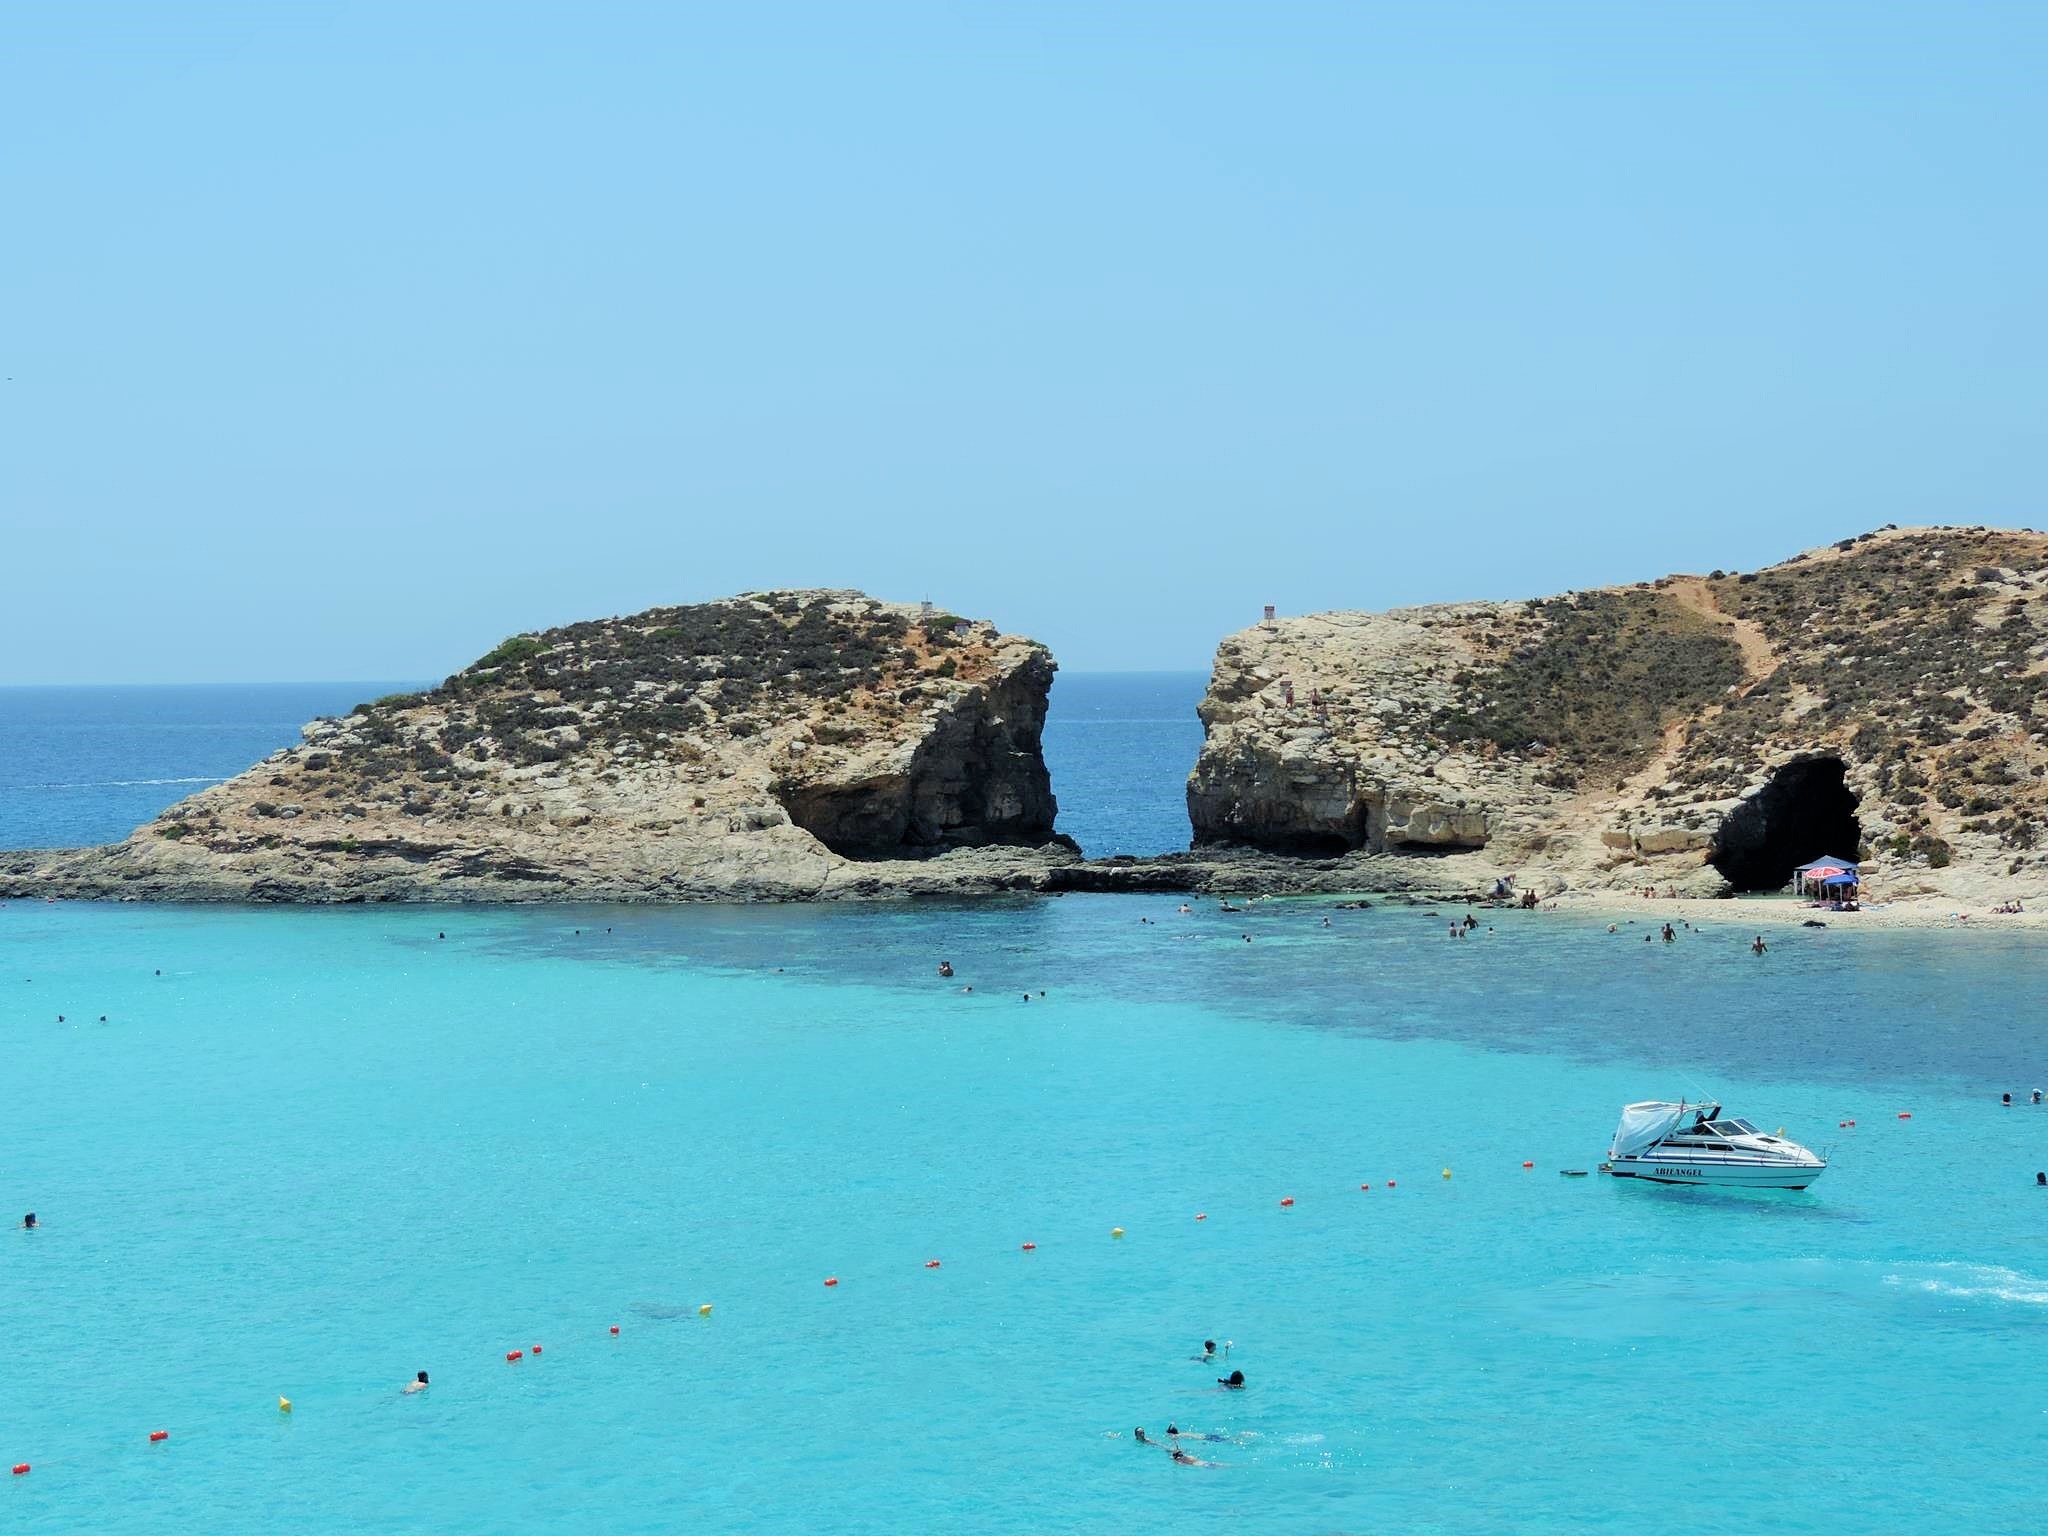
x,y
1644,1125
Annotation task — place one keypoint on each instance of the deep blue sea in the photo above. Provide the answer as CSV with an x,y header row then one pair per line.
x,y
306,1153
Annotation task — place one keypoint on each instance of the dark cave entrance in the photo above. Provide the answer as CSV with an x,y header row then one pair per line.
x,y
1806,810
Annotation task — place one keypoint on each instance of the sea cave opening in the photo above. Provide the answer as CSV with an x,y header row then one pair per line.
x,y
1804,811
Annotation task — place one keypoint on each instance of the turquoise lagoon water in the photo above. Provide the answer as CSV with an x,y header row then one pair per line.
x,y
326,1149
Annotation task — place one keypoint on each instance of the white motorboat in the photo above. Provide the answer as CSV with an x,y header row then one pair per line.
x,y
1692,1144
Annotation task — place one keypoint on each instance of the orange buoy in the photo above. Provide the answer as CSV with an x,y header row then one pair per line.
x,y
931,1263
158,1434
1390,1183
831,1279
1905,1114
536,1349
1288,1201
615,1330
1031,1248
514,1354
1201,1215
20,1469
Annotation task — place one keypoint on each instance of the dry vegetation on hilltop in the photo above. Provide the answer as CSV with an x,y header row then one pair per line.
x,y
1593,680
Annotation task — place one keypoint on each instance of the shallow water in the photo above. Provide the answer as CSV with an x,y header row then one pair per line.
x,y
327,1148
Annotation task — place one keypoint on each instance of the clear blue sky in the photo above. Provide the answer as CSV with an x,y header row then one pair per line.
x,y
342,340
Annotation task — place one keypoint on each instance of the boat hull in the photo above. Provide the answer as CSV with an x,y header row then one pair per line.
x,y
1739,1175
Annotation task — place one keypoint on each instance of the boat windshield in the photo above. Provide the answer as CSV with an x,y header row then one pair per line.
x,y
1732,1128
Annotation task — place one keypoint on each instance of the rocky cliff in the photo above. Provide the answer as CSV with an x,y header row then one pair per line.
x,y
773,745
1702,732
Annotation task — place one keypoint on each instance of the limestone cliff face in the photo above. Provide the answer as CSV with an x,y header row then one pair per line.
x,y
777,744
1691,732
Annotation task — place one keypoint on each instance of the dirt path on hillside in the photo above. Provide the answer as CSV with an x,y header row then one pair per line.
x,y
1759,661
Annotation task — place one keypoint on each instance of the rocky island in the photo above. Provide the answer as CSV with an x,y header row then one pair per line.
x,y
1701,734
772,746
1878,699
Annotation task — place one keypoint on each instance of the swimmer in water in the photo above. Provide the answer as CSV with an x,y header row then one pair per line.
x,y
1141,1437
28,1222
1759,947
945,967
1208,1349
1234,1381
1189,1434
417,1384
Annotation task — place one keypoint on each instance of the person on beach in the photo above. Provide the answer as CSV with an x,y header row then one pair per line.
x,y
1759,947
417,1384
1234,1382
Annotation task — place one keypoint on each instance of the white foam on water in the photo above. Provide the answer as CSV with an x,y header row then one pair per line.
x,y
1971,1282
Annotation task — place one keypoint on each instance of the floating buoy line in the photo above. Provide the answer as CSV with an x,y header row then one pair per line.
x,y
832,1282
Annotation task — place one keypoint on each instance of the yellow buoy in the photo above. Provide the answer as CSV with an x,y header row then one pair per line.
x,y
1447,1173
705,1310
284,1405
1116,1231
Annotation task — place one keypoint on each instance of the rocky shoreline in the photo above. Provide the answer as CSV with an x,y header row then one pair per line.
x,y
1880,700
108,874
